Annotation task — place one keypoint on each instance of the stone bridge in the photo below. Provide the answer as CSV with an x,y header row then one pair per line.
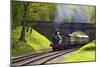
x,y
47,28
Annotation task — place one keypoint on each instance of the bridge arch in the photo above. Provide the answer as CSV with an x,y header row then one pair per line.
x,y
47,28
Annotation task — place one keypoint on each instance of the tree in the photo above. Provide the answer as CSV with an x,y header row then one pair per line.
x,y
24,11
17,13
22,36
41,11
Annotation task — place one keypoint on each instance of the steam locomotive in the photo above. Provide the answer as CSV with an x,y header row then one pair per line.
x,y
69,41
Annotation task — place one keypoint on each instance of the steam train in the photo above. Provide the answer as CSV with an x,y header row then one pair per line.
x,y
70,41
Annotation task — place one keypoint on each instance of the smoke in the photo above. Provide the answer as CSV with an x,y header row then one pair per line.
x,y
80,15
76,13
63,11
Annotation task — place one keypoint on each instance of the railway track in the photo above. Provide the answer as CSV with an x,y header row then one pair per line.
x,y
39,59
21,58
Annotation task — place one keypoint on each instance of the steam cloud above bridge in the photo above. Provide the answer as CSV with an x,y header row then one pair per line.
x,y
69,13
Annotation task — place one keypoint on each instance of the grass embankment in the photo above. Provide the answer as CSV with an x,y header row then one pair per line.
x,y
86,53
35,42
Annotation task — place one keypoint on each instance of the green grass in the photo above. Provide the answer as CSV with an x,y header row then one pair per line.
x,y
35,42
86,53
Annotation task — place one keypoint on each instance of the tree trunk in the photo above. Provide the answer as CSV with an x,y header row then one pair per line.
x,y
27,29
31,30
22,36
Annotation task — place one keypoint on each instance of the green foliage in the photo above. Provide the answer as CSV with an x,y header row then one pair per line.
x,y
35,12
86,53
41,11
91,13
35,42
88,11
69,19
17,13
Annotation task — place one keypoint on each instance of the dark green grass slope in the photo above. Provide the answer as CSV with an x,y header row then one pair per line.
x,y
86,53
35,42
